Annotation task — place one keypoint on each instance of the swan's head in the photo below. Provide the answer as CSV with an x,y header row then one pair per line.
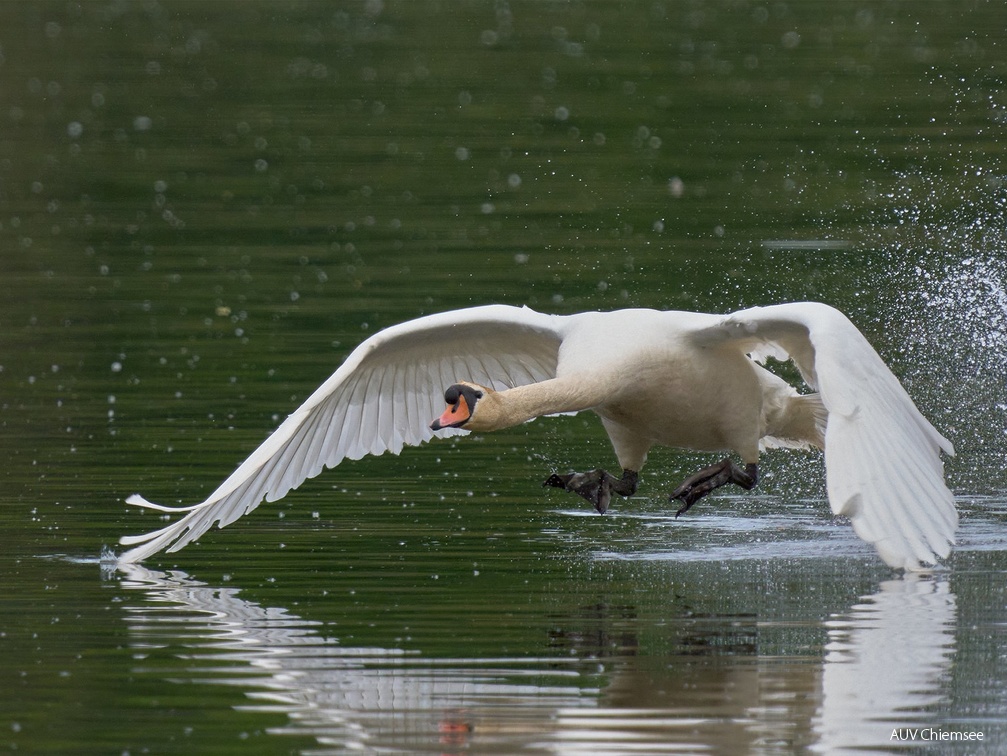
x,y
462,399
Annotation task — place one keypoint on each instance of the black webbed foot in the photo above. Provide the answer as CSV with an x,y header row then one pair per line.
x,y
596,486
695,487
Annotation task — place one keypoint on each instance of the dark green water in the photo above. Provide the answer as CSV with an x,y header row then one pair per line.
x,y
205,206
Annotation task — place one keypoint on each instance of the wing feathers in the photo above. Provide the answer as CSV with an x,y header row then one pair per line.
x,y
882,456
381,399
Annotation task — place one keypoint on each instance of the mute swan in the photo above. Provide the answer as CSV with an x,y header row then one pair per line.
x,y
680,379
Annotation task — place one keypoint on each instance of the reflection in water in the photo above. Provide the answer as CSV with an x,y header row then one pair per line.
x,y
373,698
884,664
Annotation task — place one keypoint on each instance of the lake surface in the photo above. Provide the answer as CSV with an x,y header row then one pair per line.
x,y
205,206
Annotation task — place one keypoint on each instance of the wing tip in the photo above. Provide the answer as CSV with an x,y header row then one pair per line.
x,y
921,550
138,501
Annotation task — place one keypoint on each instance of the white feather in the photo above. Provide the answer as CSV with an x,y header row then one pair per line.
x,y
439,350
882,457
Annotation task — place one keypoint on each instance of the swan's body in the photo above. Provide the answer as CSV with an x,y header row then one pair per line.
x,y
679,379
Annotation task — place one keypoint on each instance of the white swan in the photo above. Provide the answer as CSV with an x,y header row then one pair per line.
x,y
680,379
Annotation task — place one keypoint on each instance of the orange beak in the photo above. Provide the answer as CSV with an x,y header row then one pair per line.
x,y
454,416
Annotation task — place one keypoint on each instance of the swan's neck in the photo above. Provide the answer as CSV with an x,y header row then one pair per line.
x,y
503,409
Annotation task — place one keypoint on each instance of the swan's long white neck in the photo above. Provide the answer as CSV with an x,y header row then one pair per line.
x,y
503,409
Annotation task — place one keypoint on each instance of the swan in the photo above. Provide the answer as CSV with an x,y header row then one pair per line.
x,y
682,379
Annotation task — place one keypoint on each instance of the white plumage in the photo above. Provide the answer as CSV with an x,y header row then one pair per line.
x,y
675,378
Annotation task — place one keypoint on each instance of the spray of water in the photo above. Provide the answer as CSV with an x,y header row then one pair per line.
x,y
945,234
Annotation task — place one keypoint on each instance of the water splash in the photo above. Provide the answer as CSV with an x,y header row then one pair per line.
x,y
944,227
967,321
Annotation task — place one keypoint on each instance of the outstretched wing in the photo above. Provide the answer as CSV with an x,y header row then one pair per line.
x,y
381,398
882,457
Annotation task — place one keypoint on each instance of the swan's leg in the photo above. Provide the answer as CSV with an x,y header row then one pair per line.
x,y
596,486
695,487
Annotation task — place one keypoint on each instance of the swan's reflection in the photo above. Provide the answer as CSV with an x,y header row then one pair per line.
x,y
884,665
372,698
